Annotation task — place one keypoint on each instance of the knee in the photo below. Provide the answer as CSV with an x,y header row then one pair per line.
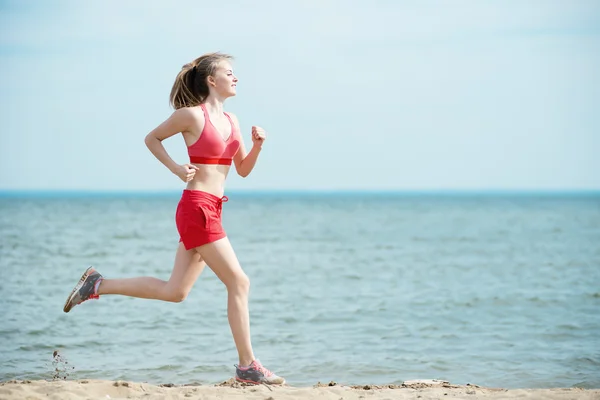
x,y
177,295
240,283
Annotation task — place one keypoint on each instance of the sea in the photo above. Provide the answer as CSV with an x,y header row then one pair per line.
x,y
497,289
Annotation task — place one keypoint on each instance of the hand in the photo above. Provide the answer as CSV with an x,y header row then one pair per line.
x,y
258,136
186,172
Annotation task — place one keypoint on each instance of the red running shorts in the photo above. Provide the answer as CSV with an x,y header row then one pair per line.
x,y
198,218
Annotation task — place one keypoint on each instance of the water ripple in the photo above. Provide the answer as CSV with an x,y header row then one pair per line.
x,y
491,291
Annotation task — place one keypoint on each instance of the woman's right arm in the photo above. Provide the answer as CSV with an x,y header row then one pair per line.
x,y
180,121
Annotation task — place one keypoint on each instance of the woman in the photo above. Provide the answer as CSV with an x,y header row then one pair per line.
x,y
214,142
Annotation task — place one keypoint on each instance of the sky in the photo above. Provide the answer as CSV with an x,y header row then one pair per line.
x,y
354,95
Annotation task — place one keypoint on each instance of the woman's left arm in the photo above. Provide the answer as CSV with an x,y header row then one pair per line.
x,y
245,162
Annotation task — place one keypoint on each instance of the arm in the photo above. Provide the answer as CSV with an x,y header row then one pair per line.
x,y
244,161
180,121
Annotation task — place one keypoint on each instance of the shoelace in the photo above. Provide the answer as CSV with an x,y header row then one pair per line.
x,y
264,370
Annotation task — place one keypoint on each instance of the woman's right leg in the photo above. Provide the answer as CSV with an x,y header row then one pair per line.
x,y
188,267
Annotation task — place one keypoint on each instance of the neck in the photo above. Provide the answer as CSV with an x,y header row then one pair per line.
x,y
214,103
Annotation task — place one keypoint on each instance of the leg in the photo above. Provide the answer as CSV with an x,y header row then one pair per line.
x,y
221,258
187,269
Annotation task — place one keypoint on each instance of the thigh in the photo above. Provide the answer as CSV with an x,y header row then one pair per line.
x,y
188,267
220,257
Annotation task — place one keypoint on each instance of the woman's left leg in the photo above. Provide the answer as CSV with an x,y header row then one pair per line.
x,y
220,257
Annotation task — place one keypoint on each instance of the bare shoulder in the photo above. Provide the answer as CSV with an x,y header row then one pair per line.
x,y
189,120
188,115
183,120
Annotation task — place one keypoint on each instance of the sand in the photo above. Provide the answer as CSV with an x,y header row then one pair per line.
x,y
423,389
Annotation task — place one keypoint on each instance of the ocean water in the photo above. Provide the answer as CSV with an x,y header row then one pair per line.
x,y
497,290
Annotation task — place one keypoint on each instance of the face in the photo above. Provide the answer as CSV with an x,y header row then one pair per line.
x,y
224,81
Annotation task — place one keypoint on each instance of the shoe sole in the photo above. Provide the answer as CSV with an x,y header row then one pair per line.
x,y
68,304
257,383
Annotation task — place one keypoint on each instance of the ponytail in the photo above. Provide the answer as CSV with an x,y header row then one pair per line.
x,y
190,88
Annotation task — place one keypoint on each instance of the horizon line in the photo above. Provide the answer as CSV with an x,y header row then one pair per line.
x,y
171,192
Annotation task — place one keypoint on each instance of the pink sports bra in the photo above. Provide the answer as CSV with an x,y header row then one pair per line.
x,y
211,148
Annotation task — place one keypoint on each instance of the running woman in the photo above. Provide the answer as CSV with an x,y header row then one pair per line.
x,y
214,143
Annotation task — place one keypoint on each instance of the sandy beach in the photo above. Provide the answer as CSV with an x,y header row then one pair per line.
x,y
420,389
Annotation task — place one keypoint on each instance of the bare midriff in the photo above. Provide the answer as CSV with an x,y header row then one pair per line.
x,y
209,178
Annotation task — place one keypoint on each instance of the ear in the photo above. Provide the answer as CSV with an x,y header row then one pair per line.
x,y
211,81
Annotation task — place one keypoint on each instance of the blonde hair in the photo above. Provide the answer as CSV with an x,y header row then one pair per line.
x,y
190,87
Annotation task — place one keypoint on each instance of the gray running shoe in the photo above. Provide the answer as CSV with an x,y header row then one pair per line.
x,y
86,289
255,374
